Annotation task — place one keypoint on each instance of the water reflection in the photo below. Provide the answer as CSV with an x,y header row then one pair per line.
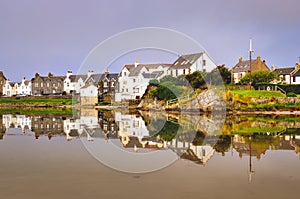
x,y
191,137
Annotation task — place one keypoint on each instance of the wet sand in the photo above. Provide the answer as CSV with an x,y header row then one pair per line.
x,y
59,169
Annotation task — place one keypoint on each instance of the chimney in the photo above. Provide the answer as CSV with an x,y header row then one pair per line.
x,y
136,63
264,61
50,74
69,73
90,72
240,59
106,71
258,58
297,66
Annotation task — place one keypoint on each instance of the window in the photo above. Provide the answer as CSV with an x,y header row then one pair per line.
x,y
41,84
126,89
105,84
294,78
204,62
68,84
124,82
124,73
48,84
184,71
112,84
176,72
36,84
133,80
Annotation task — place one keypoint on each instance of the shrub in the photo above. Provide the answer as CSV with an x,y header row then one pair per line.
x,y
291,94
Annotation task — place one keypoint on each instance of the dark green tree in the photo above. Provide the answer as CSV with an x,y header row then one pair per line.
x,y
259,77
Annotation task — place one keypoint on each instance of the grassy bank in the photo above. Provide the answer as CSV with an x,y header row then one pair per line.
x,y
37,111
256,93
30,101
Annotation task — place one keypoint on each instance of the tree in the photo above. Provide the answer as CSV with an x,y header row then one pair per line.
x,y
167,90
259,77
196,79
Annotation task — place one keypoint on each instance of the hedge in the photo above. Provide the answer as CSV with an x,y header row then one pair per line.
x,y
288,88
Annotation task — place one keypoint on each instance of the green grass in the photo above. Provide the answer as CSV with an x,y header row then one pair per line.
x,y
256,93
259,130
37,111
36,101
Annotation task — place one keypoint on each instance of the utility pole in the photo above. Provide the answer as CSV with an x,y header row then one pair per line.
x,y
250,58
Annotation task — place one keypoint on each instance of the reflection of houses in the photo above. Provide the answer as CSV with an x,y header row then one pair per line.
x,y
131,125
243,67
2,128
244,148
17,121
187,64
134,79
199,154
50,125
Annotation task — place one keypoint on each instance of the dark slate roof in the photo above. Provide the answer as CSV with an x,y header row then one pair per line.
x,y
284,71
243,66
75,78
111,76
185,61
153,75
135,71
296,73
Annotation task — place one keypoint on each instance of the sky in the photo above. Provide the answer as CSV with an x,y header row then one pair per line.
x,y
57,35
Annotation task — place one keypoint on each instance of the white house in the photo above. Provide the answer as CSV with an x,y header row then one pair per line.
x,y
24,87
10,88
89,94
73,83
134,79
289,75
187,64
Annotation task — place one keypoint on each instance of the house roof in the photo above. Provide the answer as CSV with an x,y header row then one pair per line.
x,y
284,71
100,77
243,66
153,75
296,73
135,71
87,85
75,78
185,61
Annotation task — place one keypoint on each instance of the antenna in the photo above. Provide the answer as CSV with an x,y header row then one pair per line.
x,y
250,58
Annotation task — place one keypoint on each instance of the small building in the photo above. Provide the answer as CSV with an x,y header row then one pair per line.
x,y
284,74
187,64
243,67
73,83
288,75
89,95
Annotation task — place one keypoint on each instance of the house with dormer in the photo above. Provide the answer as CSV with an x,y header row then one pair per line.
x,y
134,79
187,64
243,67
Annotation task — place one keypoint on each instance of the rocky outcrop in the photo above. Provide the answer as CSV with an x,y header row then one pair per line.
x,y
208,101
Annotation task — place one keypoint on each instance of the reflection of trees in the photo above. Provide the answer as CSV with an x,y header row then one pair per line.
x,y
223,144
199,138
167,130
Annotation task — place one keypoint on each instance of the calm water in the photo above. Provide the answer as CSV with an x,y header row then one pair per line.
x,y
98,154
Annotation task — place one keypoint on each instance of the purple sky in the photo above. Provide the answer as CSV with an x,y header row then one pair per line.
x,y
57,35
